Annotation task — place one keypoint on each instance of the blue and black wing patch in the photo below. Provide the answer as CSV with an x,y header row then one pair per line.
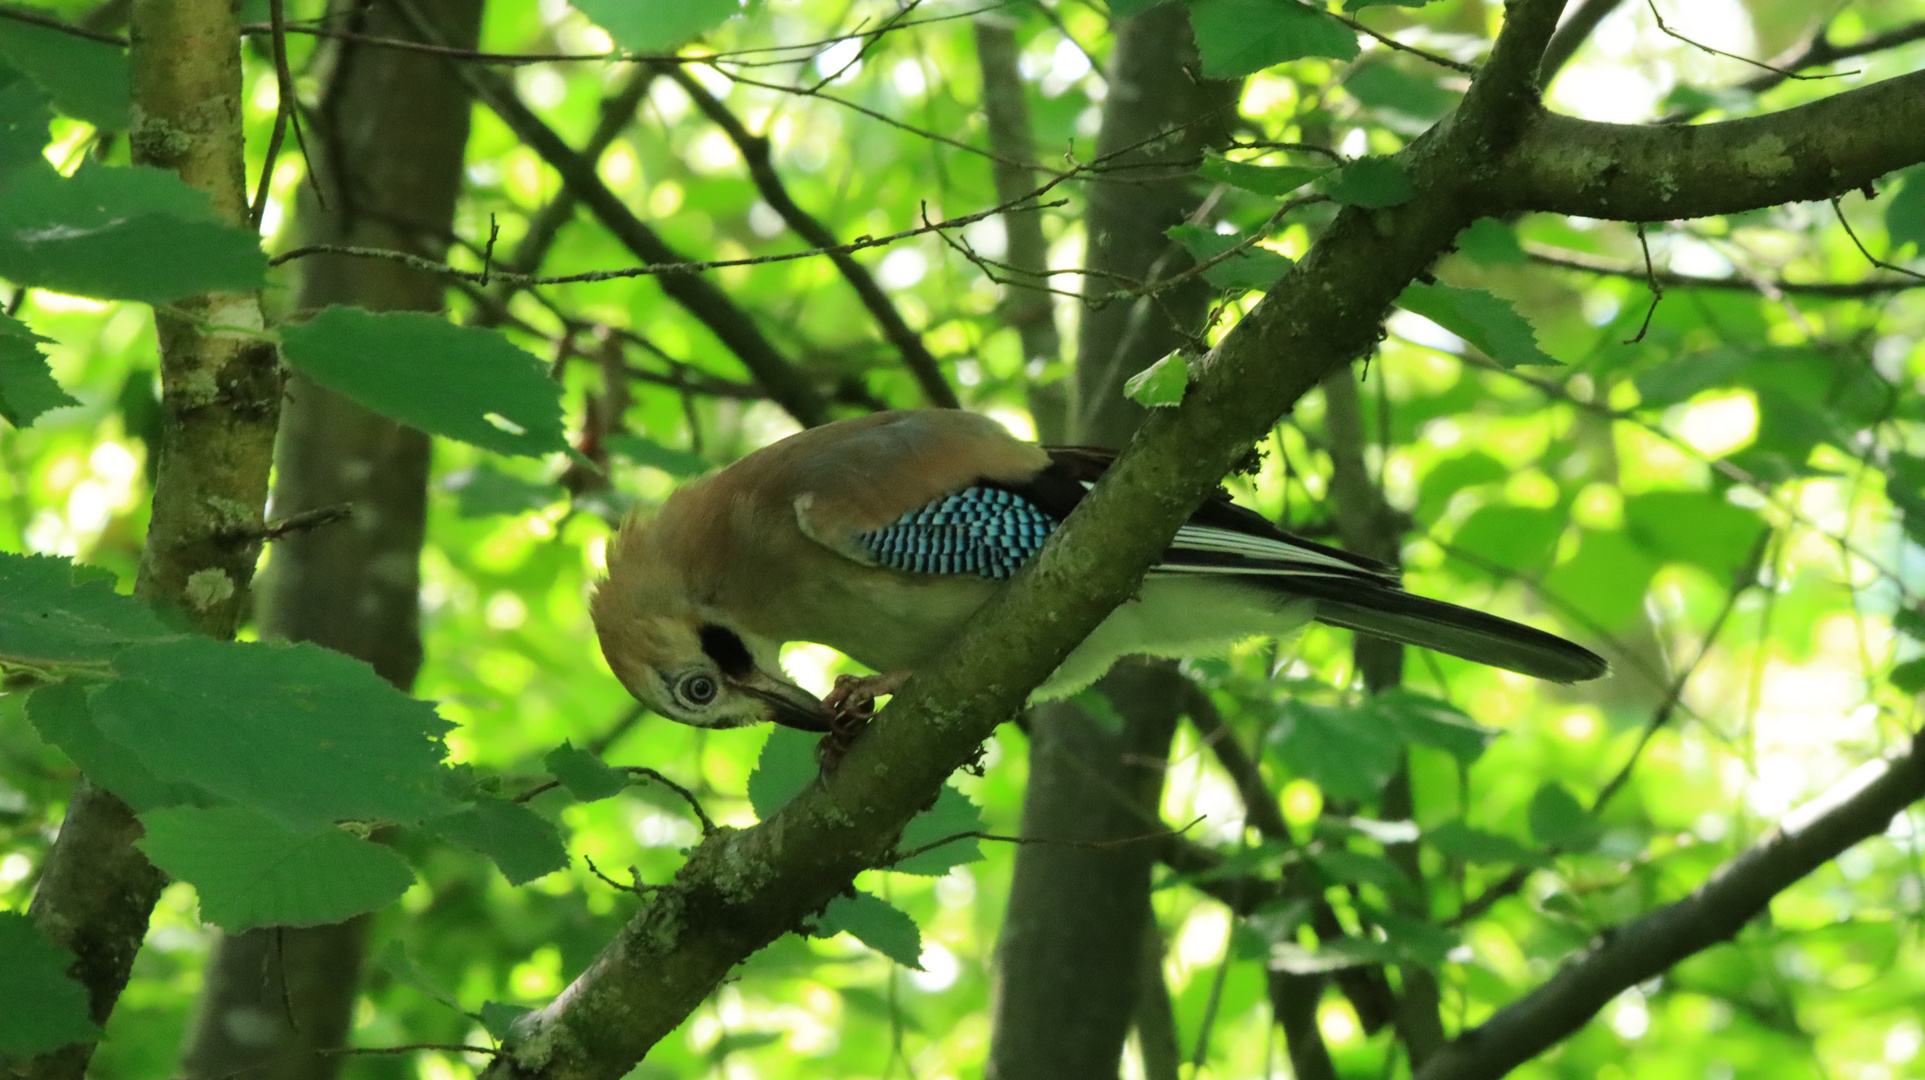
x,y
986,531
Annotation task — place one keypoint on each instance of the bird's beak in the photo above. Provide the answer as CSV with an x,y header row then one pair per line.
x,y
788,704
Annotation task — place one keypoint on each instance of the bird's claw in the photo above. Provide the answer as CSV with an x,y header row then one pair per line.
x,y
855,695
848,707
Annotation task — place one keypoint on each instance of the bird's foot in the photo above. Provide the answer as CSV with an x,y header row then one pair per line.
x,y
855,695
848,707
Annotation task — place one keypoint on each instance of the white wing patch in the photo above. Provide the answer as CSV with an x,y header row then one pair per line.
x,y
1279,556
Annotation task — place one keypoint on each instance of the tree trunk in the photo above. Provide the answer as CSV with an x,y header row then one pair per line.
x,y
1070,967
389,155
220,395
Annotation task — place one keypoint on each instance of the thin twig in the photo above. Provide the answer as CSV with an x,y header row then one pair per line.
x,y
283,109
1087,845
638,886
1723,466
708,823
1743,579
1855,809
477,56
1657,290
1441,61
695,804
652,270
410,1048
1240,247
1821,51
1835,289
302,522
755,152
1781,72
1860,244
35,18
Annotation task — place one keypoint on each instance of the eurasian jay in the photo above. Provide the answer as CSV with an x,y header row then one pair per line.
x,y
878,536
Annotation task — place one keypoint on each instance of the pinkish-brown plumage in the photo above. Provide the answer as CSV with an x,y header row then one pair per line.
x,y
807,540
766,549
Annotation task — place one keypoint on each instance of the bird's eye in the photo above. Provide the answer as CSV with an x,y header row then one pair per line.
x,y
697,689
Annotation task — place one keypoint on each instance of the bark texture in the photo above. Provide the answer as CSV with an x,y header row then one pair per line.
x,y
1069,964
1148,186
1070,969
393,127
220,396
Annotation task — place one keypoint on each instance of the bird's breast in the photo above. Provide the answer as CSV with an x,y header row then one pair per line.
x,y
887,620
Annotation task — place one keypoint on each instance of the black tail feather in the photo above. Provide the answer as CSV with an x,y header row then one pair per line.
x,y
1434,624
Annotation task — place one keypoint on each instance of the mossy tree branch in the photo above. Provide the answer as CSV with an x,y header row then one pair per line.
x,y
743,888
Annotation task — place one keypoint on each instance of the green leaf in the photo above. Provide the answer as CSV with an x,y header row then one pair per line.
x,y
1910,622
1433,722
42,1008
874,922
787,765
1347,751
498,1019
395,961
1452,475
86,79
1483,320
1510,537
1683,378
24,117
1491,242
1558,820
1161,385
521,842
1275,181
1357,868
27,388
1254,267
251,870
953,814
1387,86
656,26
735,1042
1696,527
301,733
1457,840
1123,9
1905,211
49,618
1909,677
1904,487
61,715
444,379
1425,942
1241,37
586,776
677,463
1372,182
484,491
120,234
1359,5
1606,580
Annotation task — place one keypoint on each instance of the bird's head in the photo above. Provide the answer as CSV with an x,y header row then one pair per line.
x,y
684,662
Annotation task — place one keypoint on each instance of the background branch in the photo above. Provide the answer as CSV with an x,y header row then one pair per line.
x,y
755,151
1859,807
